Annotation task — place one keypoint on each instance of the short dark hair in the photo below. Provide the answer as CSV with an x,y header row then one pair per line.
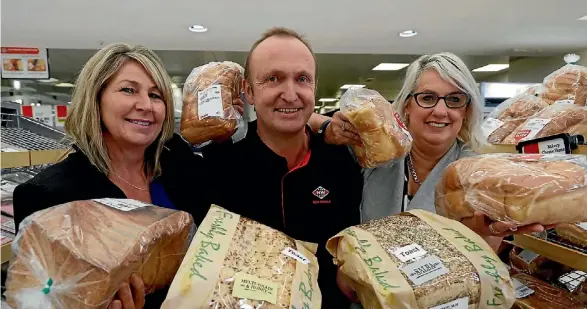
x,y
280,32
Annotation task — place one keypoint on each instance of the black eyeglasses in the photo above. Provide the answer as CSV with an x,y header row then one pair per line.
x,y
430,99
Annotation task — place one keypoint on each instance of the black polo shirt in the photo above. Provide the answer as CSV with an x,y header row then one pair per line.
x,y
311,202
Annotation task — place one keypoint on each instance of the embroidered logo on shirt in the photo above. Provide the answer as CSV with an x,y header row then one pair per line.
x,y
320,192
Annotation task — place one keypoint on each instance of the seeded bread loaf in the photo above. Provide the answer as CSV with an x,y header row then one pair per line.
x,y
76,255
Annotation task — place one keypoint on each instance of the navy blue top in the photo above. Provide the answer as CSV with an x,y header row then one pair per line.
x,y
158,196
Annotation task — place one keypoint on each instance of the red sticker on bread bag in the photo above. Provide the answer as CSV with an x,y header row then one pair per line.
x,y
399,121
522,134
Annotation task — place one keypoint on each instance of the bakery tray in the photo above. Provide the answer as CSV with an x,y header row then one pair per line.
x,y
554,248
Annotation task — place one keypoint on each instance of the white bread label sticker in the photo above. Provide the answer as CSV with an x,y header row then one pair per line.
x,y
409,252
528,256
296,255
565,102
490,125
531,129
552,146
121,204
583,225
461,303
424,270
210,102
521,289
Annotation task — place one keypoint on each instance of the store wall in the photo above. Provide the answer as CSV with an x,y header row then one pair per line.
x,y
583,55
533,69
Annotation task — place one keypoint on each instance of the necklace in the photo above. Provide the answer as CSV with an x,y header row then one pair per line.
x,y
411,169
130,184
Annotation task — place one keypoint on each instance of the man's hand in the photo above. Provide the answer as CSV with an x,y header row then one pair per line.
x,y
483,226
341,132
127,299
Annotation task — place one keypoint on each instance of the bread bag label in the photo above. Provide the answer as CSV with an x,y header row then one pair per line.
x,y
497,289
356,246
522,290
424,270
402,125
490,125
531,129
409,252
583,225
565,102
121,204
210,102
461,303
195,281
305,292
294,254
251,287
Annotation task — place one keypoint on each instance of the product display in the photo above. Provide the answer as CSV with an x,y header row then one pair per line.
x,y
574,233
510,114
526,261
555,119
77,254
579,129
543,295
421,260
515,188
383,134
209,93
234,262
566,85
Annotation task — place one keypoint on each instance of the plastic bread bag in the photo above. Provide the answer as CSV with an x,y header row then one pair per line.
x,y
234,262
573,233
77,254
510,114
209,95
515,188
533,293
554,119
418,259
383,134
567,84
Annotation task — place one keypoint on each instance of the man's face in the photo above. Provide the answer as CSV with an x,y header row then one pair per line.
x,y
282,84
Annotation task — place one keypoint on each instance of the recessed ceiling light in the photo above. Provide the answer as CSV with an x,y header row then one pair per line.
x,y
408,33
352,86
492,68
327,100
390,66
65,85
197,28
582,18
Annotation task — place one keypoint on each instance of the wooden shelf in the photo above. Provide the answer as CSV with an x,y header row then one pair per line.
x,y
552,251
31,158
46,156
503,148
15,159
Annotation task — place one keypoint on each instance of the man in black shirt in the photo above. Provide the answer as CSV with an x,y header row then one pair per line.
x,y
282,174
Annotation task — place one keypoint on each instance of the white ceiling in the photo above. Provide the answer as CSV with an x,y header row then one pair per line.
x,y
332,26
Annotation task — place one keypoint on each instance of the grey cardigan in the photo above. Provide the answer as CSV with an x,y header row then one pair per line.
x,y
383,188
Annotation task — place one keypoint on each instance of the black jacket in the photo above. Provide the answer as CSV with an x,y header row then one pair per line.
x,y
75,178
309,203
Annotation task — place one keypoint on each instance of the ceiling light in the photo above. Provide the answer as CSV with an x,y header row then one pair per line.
x,y
65,85
408,33
16,84
198,28
390,66
582,18
327,100
352,86
492,68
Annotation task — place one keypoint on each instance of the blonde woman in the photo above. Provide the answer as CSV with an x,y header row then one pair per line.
x,y
121,125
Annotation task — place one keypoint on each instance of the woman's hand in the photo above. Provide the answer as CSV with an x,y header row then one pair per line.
x,y
127,299
341,132
345,287
483,226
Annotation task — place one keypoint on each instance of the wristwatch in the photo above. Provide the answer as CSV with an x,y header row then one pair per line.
x,y
322,130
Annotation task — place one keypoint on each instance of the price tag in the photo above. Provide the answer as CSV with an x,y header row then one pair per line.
x,y
528,256
409,252
521,289
461,303
490,125
531,129
251,287
553,146
294,254
121,204
565,102
424,270
210,102
583,225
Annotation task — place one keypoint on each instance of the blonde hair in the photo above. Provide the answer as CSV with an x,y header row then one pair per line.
x,y
452,69
84,124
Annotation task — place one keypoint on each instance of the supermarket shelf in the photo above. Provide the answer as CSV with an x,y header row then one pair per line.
x,y
31,158
502,148
553,251
15,159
